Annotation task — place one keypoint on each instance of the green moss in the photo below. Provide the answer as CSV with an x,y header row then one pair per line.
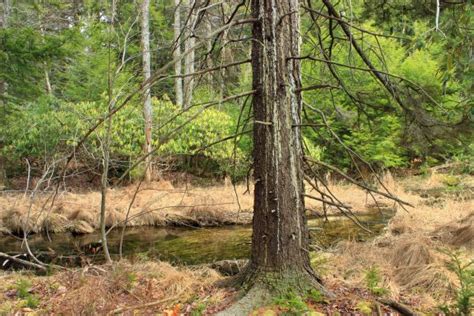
x,y
292,303
364,307
451,181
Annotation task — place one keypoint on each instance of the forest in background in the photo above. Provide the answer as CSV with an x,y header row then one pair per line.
x,y
62,63
140,140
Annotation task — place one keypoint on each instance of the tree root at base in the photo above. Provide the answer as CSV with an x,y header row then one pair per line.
x,y
261,288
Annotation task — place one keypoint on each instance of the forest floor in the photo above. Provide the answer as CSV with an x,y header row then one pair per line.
x,y
419,261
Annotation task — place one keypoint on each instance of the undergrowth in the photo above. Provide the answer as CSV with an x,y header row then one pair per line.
x,y
294,304
464,292
23,288
373,279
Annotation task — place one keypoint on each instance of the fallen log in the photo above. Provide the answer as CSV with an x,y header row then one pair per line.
x,y
399,307
24,262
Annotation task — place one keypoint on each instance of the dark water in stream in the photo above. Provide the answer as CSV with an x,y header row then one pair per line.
x,y
184,245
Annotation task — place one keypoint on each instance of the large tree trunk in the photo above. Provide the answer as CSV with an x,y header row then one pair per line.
x,y
280,258
147,109
177,52
280,234
189,59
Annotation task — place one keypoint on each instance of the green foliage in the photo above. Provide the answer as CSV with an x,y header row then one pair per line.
x,y
198,310
52,128
32,301
364,115
464,270
199,131
77,47
426,76
315,295
293,303
23,288
23,53
464,157
373,279
378,143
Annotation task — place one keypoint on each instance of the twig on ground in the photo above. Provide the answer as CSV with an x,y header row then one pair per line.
x,y
25,262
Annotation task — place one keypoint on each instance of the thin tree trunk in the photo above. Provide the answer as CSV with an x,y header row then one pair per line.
x,y
49,89
178,83
6,13
106,150
103,190
279,259
47,82
224,60
147,109
210,64
189,59
4,25
3,93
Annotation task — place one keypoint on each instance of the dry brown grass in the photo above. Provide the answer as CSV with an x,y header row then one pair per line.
x,y
156,204
410,265
458,233
100,290
408,255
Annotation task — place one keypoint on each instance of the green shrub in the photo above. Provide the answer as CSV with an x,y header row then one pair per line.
x,y
373,279
199,132
380,143
23,288
464,270
50,129
32,301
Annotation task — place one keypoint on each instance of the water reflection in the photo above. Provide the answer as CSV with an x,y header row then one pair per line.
x,y
185,245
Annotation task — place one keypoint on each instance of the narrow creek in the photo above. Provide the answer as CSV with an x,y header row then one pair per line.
x,y
181,245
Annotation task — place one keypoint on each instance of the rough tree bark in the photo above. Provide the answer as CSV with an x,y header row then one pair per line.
x,y
177,52
280,258
189,59
147,109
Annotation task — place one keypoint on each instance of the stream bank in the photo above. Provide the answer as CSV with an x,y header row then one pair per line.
x,y
404,263
182,245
